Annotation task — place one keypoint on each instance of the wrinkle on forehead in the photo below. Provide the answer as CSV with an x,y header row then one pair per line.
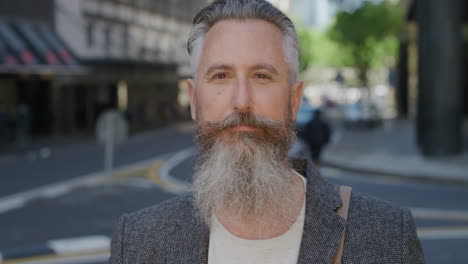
x,y
249,40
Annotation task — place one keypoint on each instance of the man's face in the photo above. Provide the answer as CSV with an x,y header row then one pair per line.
x,y
243,69
244,104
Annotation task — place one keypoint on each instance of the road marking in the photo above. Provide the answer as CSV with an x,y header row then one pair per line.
x,y
12,203
80,245
443,233
330,172
167,181
439,214
70,259
20,199
64,250
171,183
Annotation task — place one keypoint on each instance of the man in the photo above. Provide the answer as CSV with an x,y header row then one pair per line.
x,y
250,204
4,125
316,134
23,125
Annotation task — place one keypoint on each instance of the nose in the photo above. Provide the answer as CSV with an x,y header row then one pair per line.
x,y
242,98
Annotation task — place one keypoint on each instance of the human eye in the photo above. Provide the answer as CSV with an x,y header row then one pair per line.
x,y
219,76
262,76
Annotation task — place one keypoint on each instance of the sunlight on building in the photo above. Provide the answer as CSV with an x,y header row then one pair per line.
x,y
122,95
284,5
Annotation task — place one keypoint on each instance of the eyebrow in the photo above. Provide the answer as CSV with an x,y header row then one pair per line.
x,y
216,67
265,66
262,66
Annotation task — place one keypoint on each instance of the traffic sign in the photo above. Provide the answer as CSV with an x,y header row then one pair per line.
x,y
111,129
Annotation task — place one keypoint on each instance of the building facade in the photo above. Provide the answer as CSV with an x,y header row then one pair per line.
x,y
125,54
317,14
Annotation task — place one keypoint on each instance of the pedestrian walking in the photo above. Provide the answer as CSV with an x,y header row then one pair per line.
x,y
23,126
250,202
4,125
317,135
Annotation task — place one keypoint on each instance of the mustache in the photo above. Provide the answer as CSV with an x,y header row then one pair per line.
x,y
247,119
276,132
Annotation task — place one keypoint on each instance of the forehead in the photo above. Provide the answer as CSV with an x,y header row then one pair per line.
x,y
243,43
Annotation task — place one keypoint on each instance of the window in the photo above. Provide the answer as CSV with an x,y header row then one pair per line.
x,y
125,41
90,34
108,38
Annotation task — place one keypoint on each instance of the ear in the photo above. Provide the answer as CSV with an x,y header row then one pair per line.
x,y
193,106
296,96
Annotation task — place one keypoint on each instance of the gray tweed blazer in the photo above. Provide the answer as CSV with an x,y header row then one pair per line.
x,y
376,231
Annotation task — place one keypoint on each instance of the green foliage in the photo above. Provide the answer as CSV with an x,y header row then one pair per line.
x,y
317,49
306,53
370,34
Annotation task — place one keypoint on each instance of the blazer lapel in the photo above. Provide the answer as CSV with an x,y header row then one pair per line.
x,y
190,239
322,225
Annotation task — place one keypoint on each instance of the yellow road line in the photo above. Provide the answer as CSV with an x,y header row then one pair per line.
x,y
144,171
153,173
150,172
52,257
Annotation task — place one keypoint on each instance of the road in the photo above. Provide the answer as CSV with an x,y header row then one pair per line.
x,y
73,160
440,211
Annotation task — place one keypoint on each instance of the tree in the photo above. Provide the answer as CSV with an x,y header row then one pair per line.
x,y
370,33
306,42
318,50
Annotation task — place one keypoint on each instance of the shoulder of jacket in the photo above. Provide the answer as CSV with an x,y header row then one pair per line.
x,y
379,231
363,206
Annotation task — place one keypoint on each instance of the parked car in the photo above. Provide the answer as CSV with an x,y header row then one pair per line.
x,y
360,114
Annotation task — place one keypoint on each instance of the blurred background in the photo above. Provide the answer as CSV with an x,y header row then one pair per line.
x,y
95,122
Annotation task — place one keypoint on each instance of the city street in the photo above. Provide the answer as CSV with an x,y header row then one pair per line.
x,y
80,158
96,98
92,210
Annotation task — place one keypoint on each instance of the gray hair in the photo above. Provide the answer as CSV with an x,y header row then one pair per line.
x,y
243,10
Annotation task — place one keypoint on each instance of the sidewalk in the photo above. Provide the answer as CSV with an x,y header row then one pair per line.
x,y
391,150
41,147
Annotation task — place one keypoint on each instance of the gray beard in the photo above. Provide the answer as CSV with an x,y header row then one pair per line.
x,y
247,178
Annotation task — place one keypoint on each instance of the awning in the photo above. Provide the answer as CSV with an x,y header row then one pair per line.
x,y
56,44
6,57
32,48
16,44
31,36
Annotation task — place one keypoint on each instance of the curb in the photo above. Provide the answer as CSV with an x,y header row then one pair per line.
x,y
58,248
334,163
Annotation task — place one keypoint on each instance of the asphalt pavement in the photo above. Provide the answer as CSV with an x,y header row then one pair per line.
x,y
32,169
92,209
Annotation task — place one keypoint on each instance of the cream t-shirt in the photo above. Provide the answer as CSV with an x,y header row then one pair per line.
x,y
227,248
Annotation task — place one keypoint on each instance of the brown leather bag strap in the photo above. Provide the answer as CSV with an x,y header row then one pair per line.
x,y
345,194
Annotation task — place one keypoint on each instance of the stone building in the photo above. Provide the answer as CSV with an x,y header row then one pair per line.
x,y
69,60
